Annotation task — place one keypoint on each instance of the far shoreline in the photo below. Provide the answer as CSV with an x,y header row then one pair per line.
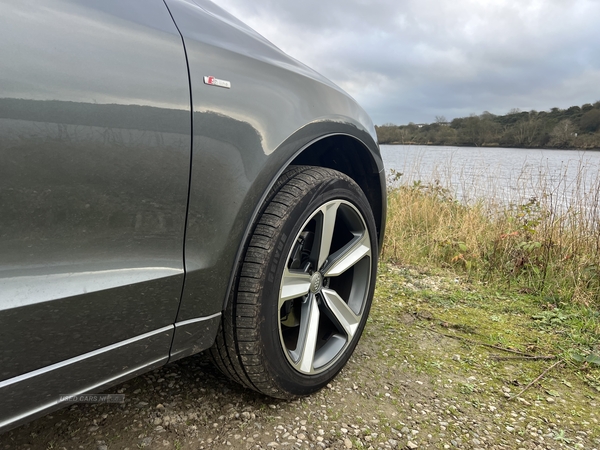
x,y
581,149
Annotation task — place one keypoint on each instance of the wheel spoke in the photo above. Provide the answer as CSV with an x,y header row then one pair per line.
x,y
307,338
340,312
325,232
349,255
294,284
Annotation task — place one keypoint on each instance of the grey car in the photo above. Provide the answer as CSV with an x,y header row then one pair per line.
x,y
171,182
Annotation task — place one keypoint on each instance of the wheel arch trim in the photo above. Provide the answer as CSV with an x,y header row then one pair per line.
x,y
377,170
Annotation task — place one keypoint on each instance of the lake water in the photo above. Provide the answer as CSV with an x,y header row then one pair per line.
x,y
506,174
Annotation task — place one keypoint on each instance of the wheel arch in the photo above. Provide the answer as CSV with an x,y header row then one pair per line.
x,y
341,151
350,156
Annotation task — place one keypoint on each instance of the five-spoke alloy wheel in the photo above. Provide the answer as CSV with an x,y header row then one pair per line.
x,y
304,288
324,287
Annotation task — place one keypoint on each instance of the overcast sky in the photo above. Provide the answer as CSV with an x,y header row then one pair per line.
x,y
412,60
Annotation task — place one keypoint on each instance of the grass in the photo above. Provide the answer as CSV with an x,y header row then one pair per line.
x,y
446,342
491,330
532,264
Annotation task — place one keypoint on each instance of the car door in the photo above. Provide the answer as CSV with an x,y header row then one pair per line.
x,y
95,134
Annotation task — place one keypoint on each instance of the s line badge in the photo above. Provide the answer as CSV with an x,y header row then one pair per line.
x,y
212,81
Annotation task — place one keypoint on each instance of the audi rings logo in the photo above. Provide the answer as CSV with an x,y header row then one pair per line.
x,y
316,282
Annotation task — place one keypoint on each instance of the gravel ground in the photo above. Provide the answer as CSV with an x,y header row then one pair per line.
x,y
406,387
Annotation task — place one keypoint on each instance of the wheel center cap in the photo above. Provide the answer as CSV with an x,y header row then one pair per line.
x,y
316,282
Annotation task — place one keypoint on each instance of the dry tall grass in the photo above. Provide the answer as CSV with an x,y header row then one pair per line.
x,y
547,244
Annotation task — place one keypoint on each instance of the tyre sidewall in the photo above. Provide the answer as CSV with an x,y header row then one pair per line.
x,y
289,379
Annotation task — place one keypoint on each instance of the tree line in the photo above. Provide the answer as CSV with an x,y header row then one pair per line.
x,y
576,127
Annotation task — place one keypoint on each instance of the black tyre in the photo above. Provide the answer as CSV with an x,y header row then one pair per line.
x,y
304,288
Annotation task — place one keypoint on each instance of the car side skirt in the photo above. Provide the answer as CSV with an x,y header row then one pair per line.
x,y
109,365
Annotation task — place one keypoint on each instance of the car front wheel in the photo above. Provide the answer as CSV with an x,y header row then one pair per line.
x,y
304,289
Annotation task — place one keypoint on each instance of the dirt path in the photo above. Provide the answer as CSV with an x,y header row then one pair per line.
x,y
407,386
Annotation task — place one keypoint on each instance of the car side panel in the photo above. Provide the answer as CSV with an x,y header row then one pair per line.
x,y
244,137
94,168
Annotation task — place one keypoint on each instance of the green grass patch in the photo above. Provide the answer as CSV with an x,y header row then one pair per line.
x,y
504,325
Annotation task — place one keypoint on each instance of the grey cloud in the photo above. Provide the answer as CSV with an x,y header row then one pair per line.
x,y
411,60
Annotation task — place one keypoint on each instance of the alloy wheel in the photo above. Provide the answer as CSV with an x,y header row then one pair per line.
x,y
324,287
